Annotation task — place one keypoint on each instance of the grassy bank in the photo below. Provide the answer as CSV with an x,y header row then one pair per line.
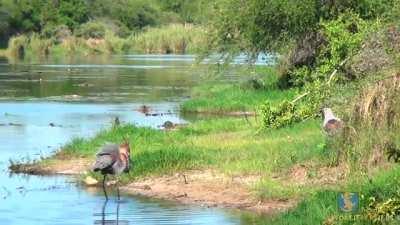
x,y
94,38
244,95
199,145
321,206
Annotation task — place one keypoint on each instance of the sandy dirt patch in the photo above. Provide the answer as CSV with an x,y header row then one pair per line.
x,y
207,188
201,187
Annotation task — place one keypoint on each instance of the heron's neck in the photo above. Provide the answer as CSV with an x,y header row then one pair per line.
x,y
124,157
328,114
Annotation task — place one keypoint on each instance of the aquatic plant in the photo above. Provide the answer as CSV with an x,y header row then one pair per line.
x,y
17,46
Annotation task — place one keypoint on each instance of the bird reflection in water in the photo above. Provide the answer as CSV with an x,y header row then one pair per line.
x,y
105,221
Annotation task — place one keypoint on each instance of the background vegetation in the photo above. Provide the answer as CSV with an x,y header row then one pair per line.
x,y
94,26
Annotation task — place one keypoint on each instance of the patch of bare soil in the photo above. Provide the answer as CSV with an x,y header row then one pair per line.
x,y
330,175
203,187
207,188
312,175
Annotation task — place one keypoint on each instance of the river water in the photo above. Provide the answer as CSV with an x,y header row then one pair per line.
x,y
45,104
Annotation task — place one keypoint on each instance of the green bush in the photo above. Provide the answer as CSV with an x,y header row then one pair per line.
x,y
305,106
91,29
263,26
279,116
344,38
58,33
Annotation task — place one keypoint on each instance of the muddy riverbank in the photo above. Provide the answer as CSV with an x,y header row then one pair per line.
x,y
205,188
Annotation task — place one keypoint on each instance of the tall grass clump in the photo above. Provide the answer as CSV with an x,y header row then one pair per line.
x,y
17,46
116,44
39,46
70,45
372,133
174,38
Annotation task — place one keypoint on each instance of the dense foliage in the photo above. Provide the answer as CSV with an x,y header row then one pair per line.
x,y
256,26
261,26
24,16
344,37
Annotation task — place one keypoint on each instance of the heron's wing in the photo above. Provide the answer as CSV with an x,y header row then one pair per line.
x,y
103,162
108,149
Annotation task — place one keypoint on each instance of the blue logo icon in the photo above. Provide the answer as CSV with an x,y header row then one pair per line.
x,y
348,201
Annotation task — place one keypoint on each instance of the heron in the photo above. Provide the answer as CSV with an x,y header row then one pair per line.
x,y
332,125
112,159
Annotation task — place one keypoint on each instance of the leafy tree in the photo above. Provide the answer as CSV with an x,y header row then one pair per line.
x,y
24,16
192,11
135,14
33,15
72,12
268,25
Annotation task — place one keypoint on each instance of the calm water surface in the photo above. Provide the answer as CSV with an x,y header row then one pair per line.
x,y
45,104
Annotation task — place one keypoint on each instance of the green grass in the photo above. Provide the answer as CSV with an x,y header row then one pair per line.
x,y
217,98
230,98
229,145
322,206
233,147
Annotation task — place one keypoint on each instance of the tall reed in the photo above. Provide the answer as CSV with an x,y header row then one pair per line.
x,y
174,38
39,46
17,46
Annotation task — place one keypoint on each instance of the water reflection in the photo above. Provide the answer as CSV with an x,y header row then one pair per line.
x,y
114,79
105,221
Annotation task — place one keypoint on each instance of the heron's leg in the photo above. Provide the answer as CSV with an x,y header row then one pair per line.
x,y
104,186
118,212
118,189
103,213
